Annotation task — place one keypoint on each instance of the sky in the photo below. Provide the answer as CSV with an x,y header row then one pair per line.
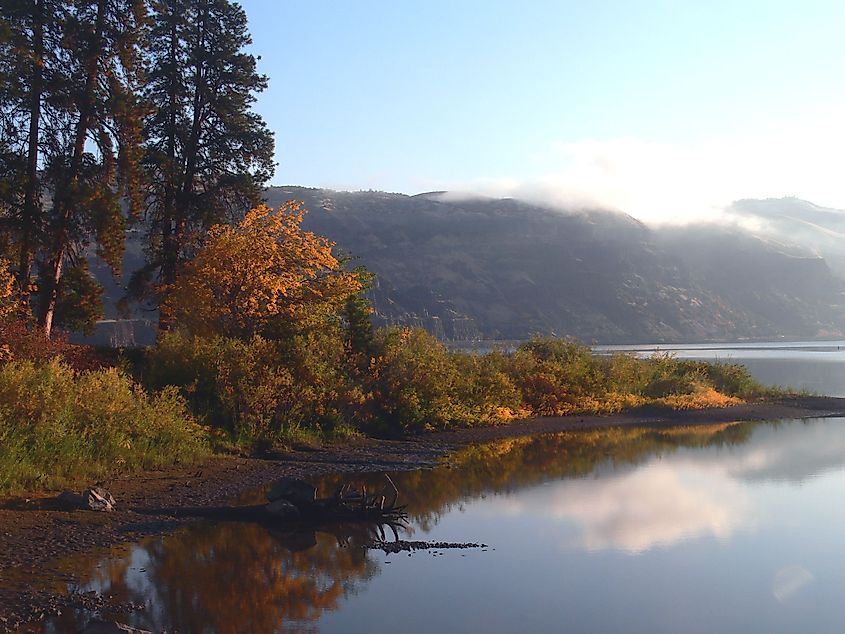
x,y
667,110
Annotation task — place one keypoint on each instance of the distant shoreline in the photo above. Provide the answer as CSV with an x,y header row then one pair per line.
x,y
32,540
766,343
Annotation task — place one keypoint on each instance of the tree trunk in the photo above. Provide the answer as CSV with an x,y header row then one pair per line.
x,y
32,202
176,225
64,208
169,242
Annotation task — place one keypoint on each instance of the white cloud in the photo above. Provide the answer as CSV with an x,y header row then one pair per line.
x,y
679,182
654,506
686,495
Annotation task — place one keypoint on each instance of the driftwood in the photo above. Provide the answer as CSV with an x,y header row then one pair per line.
x,y
294,504
91,499
98,626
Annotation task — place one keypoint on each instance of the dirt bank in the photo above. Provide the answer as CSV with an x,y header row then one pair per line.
x,y
33,539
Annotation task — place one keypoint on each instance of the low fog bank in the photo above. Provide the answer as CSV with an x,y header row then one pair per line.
x,y
789,225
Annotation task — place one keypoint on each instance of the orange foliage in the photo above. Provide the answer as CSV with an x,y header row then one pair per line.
x,y
8,301
238,578
264,275
704,397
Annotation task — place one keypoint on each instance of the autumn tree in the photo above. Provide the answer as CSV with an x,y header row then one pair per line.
x,y
207,154
265,276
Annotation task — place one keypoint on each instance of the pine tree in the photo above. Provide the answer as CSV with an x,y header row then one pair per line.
x,y
207,154
95,170
30,81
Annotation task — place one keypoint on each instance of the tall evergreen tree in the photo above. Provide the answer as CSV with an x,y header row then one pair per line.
x,y
95,168
207,154
30,80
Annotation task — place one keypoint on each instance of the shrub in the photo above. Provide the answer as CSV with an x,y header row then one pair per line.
x,y
732,379
259,390
670,376
58,424
556,376
230,383
415,381
21,340
486,391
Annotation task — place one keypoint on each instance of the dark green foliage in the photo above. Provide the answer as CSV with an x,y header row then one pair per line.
x,y
357,317
80,300
729,378
72,120
69,133
207,154
31,82
260,389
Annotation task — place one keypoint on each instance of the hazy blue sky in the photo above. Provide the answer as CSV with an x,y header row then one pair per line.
x,y
659,108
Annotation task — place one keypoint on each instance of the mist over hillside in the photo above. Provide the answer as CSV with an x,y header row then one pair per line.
x,y
505,269
796,224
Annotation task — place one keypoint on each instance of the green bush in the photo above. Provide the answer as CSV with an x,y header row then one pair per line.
x,y
555,376
230,383
669,376
732,379
260,390
415,381
59,425
487,393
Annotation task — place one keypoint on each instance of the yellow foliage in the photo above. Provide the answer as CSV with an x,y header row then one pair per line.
x,y
261,275
705,397
8,299
609,403
8,303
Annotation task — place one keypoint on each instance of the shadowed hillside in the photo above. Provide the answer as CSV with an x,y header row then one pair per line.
x,y
504,269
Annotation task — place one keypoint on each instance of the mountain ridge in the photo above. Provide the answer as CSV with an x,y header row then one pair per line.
x,y
473,267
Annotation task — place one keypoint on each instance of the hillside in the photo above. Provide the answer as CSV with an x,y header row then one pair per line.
x,y
504,269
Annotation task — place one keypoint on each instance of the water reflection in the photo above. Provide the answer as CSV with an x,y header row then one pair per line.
x,y
657,505
233,577
622,510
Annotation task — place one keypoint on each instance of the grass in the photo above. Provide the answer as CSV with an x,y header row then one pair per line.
x,y
60,426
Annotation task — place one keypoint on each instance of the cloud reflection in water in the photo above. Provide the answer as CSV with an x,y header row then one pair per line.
x,y
657,504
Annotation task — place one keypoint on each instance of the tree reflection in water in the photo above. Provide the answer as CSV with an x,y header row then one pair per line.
x,y
510,465
233,577
252,579
237,577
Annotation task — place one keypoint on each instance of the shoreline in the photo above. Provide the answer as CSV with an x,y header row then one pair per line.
x,y
34,540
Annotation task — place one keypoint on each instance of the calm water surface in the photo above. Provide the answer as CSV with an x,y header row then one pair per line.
x,y
724,528
817,366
